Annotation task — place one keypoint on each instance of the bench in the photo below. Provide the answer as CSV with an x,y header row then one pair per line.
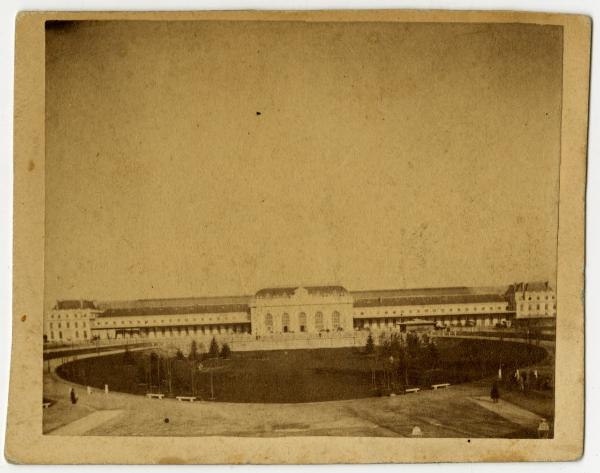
x,y
45,405
412,390
185,398
441,385
154,396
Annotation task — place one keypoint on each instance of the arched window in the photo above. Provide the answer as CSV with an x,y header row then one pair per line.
x,y
269,322
335,320
302,321
285,322
319,321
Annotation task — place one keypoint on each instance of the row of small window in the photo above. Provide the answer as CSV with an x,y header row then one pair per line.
x,y
302,322
489,320
67,316
60,335
458,309
522,298
139,322
170,331
538,306
68,324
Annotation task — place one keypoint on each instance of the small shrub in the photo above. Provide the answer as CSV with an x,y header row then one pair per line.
x,y
225,351
370,346
214,348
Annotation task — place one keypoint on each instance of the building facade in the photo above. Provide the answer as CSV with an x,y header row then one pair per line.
x,y
311,309
70,322
307,311
534,301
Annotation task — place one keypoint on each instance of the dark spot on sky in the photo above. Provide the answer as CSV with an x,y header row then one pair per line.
x,y
30,165
257,113
166,420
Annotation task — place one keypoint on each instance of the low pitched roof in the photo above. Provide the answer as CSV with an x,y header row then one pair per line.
x,y
194,309
172,306
537,286
173,302
270,292
429,291
426,296
74,304
430,300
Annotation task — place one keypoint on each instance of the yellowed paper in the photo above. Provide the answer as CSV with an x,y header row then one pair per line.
x,y
298,237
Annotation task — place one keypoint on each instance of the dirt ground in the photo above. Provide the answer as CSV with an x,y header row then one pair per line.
x,y
454,412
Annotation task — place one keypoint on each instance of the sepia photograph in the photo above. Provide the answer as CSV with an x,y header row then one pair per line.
x,y
306,227
301,229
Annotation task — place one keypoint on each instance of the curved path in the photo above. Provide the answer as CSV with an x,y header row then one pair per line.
x,y
459,411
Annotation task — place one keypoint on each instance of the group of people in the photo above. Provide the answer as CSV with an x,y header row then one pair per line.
x,y
524,380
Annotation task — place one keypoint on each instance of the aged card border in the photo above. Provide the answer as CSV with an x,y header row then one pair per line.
x,y
24,440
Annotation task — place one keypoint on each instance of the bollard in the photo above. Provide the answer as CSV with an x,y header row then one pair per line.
x,y
89,390
106,389
416,431
543,429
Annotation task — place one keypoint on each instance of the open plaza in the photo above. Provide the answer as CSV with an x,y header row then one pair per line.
x,y
462,410
305,360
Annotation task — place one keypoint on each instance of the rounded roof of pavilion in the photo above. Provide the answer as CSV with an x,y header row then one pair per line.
x,y
273,292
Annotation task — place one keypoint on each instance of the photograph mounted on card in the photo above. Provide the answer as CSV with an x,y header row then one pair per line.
x,y
298,237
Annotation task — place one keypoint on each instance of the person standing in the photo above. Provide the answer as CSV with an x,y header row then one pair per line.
x,y
495,392
521,384
73,396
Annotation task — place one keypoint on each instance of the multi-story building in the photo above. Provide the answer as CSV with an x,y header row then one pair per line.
x,y
454,306
70,321
534,301
303,310
166,318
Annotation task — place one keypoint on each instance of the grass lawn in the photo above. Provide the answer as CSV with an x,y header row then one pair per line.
x,y
292,376
283,376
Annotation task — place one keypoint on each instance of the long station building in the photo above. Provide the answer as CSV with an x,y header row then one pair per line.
x,y
303,310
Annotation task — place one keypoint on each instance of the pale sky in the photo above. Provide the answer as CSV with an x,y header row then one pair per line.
x,y
384,156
